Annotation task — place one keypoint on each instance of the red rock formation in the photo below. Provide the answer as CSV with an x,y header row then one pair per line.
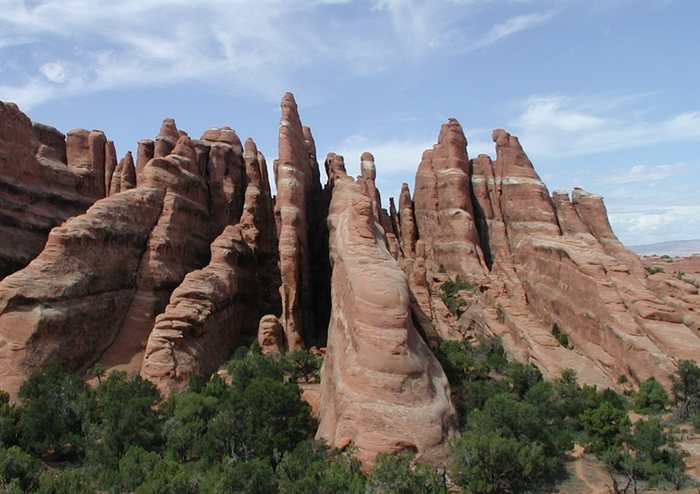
x,y
178,244
226,172
525,203
164,279
166,139
382,389
557,261
37,190
443,206
110,165
67,305
211,308
128,172
193,196
85,151
407,221
270,335
298,188
144,154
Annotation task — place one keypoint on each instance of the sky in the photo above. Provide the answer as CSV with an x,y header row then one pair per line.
x,y
603,94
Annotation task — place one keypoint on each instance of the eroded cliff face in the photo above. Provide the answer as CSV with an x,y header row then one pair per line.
x,y
382,388
45,178
209,310
296,215
95,291
162,264
550,260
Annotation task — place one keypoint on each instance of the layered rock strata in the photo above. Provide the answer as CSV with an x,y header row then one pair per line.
x,y
443,205
162,231
44,180
211,308
382,388
189,254
297,201
67,305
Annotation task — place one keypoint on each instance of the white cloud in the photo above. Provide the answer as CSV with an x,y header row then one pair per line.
x,y
512,26
647,174
122,44
557,113
638,226
394,158
558,126
256,46
54,71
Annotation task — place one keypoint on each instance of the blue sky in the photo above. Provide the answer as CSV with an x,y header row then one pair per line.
x,y
602,93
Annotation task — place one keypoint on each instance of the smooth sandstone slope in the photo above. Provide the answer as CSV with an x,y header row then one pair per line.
x,y
67,305
45,178
382,390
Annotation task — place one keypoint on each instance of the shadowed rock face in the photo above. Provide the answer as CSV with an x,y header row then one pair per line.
x,y
212,306
96,289
382,389
298,191
189,254
40,184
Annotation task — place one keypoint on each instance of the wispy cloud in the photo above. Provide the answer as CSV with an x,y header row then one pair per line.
x,y
54,71
396,160
647,174
512,26
77,47
71,47
643,226
558,126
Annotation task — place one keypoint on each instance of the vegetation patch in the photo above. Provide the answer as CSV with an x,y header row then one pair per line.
x,y
653,269
255,435
561,337
450,290
500,313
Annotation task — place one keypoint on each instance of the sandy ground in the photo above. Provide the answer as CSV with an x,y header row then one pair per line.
x,y
689,265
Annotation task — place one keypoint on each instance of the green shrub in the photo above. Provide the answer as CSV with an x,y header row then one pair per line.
x,y
605,427
313,467
249,477
254,365
651,398
561,337
686,389
304,366
19,468
450,295
124,416
68,481
263,420
53,413
463,361
500,313
487,462
397,474
452,288
168,476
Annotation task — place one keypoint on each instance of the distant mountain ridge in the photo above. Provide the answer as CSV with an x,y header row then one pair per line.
x,y
668,248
